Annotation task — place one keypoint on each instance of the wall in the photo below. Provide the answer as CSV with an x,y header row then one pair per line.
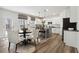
x,y
73,13
77,18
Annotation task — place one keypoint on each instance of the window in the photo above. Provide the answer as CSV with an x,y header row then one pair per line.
x,y
22,16
33,18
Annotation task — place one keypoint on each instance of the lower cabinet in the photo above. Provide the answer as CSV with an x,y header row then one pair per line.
x,y
71,38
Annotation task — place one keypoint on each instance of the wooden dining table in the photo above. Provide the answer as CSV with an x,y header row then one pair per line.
x,y
25,33
45,32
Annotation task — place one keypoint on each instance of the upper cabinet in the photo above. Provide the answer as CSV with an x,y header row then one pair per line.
x,y
73,14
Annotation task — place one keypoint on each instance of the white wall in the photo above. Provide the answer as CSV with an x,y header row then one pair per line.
x,y
77,18
73,13
34,10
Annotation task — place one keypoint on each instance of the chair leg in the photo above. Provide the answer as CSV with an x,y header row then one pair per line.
x,y
35,43
37,40
9,48
16,49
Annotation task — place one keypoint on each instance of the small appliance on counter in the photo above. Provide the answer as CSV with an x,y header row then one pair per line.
x,y
71,29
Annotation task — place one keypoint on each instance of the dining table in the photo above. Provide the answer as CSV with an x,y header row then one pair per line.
x,y
24,33
42,33
45,32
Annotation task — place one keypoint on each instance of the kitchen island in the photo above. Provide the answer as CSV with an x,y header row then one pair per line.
x,y
71,38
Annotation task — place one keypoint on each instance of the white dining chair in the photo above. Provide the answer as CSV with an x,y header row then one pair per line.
x,y
34,36
14,38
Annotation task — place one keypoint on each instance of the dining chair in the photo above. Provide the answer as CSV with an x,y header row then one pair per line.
x,y
14,38
34,36
29,35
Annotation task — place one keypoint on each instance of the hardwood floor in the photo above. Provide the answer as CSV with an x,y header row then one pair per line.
x,y
29,48
54,44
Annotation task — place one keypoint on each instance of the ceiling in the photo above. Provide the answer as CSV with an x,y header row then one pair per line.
x,y
42,11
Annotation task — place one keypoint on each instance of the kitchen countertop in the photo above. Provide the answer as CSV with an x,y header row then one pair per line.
x,y
72,30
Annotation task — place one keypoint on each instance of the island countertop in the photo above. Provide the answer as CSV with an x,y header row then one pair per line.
x,y
72,30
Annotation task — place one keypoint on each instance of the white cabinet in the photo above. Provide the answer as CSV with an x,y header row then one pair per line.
x,y
71,38
77,41
73,14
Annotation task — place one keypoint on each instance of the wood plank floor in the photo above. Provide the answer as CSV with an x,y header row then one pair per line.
x,y
54,44
29,48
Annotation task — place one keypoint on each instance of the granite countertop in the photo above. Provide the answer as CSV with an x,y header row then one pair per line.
x,y
72,30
